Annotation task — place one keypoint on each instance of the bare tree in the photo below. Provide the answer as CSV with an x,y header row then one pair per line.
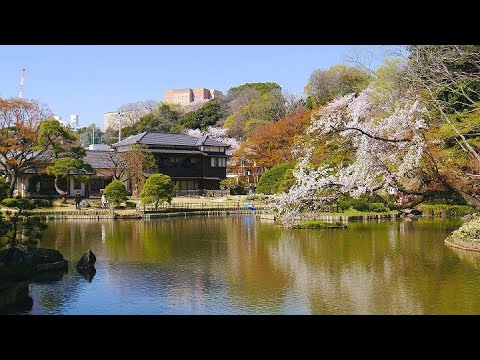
x,y
449,76
293,103
132,112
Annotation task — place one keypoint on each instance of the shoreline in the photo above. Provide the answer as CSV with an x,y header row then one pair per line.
x,y
463,245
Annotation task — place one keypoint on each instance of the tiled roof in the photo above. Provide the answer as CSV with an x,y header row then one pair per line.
x,y
100,159
167,139
177,151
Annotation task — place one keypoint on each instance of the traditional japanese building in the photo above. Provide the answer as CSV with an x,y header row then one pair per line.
x,y
193,163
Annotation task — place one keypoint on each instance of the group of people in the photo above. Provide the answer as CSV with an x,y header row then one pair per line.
x,y
78,200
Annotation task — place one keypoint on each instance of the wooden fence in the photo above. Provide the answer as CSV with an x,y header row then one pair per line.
x,y
201,192
220,206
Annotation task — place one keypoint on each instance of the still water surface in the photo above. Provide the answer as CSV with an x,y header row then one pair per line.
x,y
242,265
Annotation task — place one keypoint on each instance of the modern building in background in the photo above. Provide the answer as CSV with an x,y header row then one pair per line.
x,y
189,96
72,123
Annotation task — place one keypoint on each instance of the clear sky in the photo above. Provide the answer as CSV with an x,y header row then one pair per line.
x,y
91,80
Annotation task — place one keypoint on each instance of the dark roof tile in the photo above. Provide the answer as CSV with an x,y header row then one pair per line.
x,y
100,159
167,139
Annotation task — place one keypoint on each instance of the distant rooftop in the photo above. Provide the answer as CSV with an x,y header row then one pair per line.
x,y
167,139
100,159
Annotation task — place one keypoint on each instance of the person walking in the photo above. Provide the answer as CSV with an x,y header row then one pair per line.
x,y
78,198
104,201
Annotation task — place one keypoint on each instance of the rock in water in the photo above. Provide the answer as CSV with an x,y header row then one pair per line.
x,y
87,261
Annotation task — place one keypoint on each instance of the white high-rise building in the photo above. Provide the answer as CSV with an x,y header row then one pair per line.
x,y
73,121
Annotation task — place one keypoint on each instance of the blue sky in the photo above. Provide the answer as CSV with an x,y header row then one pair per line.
x,y
91,80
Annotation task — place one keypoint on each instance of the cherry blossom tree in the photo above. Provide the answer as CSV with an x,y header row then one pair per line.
x,y
387,141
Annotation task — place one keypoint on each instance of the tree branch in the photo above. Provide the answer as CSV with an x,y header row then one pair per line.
x,y
372,136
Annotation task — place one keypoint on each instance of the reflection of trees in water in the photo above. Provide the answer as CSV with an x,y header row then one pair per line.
x,y
332,276
390,267
181,260
253,283
206,264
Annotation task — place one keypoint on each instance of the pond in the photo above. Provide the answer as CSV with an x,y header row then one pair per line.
x,y
243,265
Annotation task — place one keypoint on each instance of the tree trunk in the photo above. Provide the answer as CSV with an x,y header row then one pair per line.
x,y
13,239
12,178
11,189
60,191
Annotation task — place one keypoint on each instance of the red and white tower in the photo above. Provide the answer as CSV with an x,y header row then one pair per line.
x,y
20,92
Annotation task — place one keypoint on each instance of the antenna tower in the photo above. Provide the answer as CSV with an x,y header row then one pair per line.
x,y
20,93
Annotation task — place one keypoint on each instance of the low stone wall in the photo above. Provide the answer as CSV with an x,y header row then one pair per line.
x,y
197,213
272,217
346,218
464,245
87,215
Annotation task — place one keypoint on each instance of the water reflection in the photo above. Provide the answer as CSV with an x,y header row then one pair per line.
x,y
205,265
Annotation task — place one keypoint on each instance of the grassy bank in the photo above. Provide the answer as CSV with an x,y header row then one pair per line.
x,y
353,212
443,210
466,237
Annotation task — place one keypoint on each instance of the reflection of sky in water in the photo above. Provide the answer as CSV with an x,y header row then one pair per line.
x,y
238,265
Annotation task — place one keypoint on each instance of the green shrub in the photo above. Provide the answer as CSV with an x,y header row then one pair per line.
x,y
116,192
288,180
344,202
24,204
130,204
443,210
157,189
271,179
236,186
470,231
4,187
378,207
43,203
364,203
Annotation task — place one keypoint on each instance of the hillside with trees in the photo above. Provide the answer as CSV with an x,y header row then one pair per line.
x,y
412,132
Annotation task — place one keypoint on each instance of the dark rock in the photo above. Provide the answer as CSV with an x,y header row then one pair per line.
x,y
416,212
84,203
18,265
87,261
48,255
55,266
41,256
46,277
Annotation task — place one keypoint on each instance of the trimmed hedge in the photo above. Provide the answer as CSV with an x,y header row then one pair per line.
x,y
443,210
363,203
271,179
